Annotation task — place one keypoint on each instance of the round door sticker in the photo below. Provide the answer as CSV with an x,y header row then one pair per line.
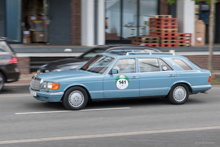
x,y
122,81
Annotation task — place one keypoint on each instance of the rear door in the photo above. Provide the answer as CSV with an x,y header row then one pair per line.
x,y
156,77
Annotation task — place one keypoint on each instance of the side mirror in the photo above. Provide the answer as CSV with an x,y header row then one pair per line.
x,y
114,71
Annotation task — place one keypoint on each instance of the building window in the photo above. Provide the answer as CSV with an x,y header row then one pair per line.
x,y
127,18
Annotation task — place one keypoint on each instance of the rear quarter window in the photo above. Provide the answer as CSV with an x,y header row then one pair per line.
x,y
182,64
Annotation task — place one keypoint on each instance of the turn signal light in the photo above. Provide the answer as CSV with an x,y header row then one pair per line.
x,y
210,79
13,60
55,86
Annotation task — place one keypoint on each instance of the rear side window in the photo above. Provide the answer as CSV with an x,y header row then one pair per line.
x,y
182,64
164,66
148,65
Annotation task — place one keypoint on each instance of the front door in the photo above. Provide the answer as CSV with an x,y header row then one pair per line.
x,y
155,80
123,84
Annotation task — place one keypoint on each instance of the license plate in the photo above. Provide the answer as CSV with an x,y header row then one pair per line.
x,y
33,93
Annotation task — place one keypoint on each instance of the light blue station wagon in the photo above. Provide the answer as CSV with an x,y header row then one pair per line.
x,y
112,75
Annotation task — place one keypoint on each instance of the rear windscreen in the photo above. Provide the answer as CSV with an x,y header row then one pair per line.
x,y
4,47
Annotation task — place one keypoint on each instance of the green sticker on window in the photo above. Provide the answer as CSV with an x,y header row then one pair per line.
x,y
122,81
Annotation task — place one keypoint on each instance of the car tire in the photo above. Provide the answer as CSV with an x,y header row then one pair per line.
x,y
2,81
178,94
75,98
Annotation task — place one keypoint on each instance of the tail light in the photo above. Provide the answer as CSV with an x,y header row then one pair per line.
x,y
13,60
210,79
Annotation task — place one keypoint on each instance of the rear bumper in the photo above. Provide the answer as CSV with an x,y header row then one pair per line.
x,y
200,88
48,96
11,72
13,77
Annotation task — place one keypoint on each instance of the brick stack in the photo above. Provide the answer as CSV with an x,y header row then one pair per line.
x,y
146,40
184,39
166,29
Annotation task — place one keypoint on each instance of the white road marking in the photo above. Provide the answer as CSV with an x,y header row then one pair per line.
x,y
106,109
108,135
15,95
44,112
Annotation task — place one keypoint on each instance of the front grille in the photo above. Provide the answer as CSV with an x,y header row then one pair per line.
x,y
36,83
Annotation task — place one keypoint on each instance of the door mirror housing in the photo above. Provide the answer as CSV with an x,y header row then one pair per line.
x,y
114,71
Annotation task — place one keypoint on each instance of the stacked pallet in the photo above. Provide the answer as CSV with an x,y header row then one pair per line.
x,y
164,33
166,29
146,40
184,39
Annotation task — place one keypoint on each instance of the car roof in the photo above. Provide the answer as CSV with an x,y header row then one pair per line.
x,y
143,54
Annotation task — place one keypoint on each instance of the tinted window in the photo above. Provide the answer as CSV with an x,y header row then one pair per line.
x,y
125,66
91,54
164,66
182,64
4,47
148,65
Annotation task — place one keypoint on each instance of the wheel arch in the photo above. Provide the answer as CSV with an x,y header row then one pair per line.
x,y
185,83
4,75
82,86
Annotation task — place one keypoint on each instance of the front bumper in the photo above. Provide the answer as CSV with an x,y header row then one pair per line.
x,y
47,96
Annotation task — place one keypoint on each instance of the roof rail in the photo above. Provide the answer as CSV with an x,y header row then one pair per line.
x,y
150,53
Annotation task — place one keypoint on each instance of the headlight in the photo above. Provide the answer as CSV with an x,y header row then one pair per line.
x,y
51,86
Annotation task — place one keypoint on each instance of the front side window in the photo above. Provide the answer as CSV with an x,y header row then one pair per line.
x,y
125,66
164,66
182,64
148,65
98,64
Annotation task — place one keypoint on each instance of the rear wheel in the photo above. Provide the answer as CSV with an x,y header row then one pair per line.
x,y
179,94
2,81
75,98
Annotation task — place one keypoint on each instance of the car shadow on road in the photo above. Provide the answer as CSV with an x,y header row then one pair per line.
x,y
136,102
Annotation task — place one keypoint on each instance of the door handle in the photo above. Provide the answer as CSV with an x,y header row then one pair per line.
x,y
171,75
134,77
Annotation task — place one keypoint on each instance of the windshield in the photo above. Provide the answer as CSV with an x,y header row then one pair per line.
x,y
98,64
90,54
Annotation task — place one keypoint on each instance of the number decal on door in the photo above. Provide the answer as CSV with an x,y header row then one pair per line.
x,y
122,81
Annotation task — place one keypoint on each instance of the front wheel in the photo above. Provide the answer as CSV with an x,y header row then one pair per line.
x,y
2,81
179,94
75,98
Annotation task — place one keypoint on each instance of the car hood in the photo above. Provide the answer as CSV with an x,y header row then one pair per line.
x,y
62,63
65,75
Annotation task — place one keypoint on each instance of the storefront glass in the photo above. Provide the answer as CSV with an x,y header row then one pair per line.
x,y
112,20
147,7
127,18
13,20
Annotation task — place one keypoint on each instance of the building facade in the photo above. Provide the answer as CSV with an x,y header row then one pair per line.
x,y
91,22
77,22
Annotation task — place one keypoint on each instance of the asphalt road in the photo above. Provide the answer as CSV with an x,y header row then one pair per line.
x,y
26,122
